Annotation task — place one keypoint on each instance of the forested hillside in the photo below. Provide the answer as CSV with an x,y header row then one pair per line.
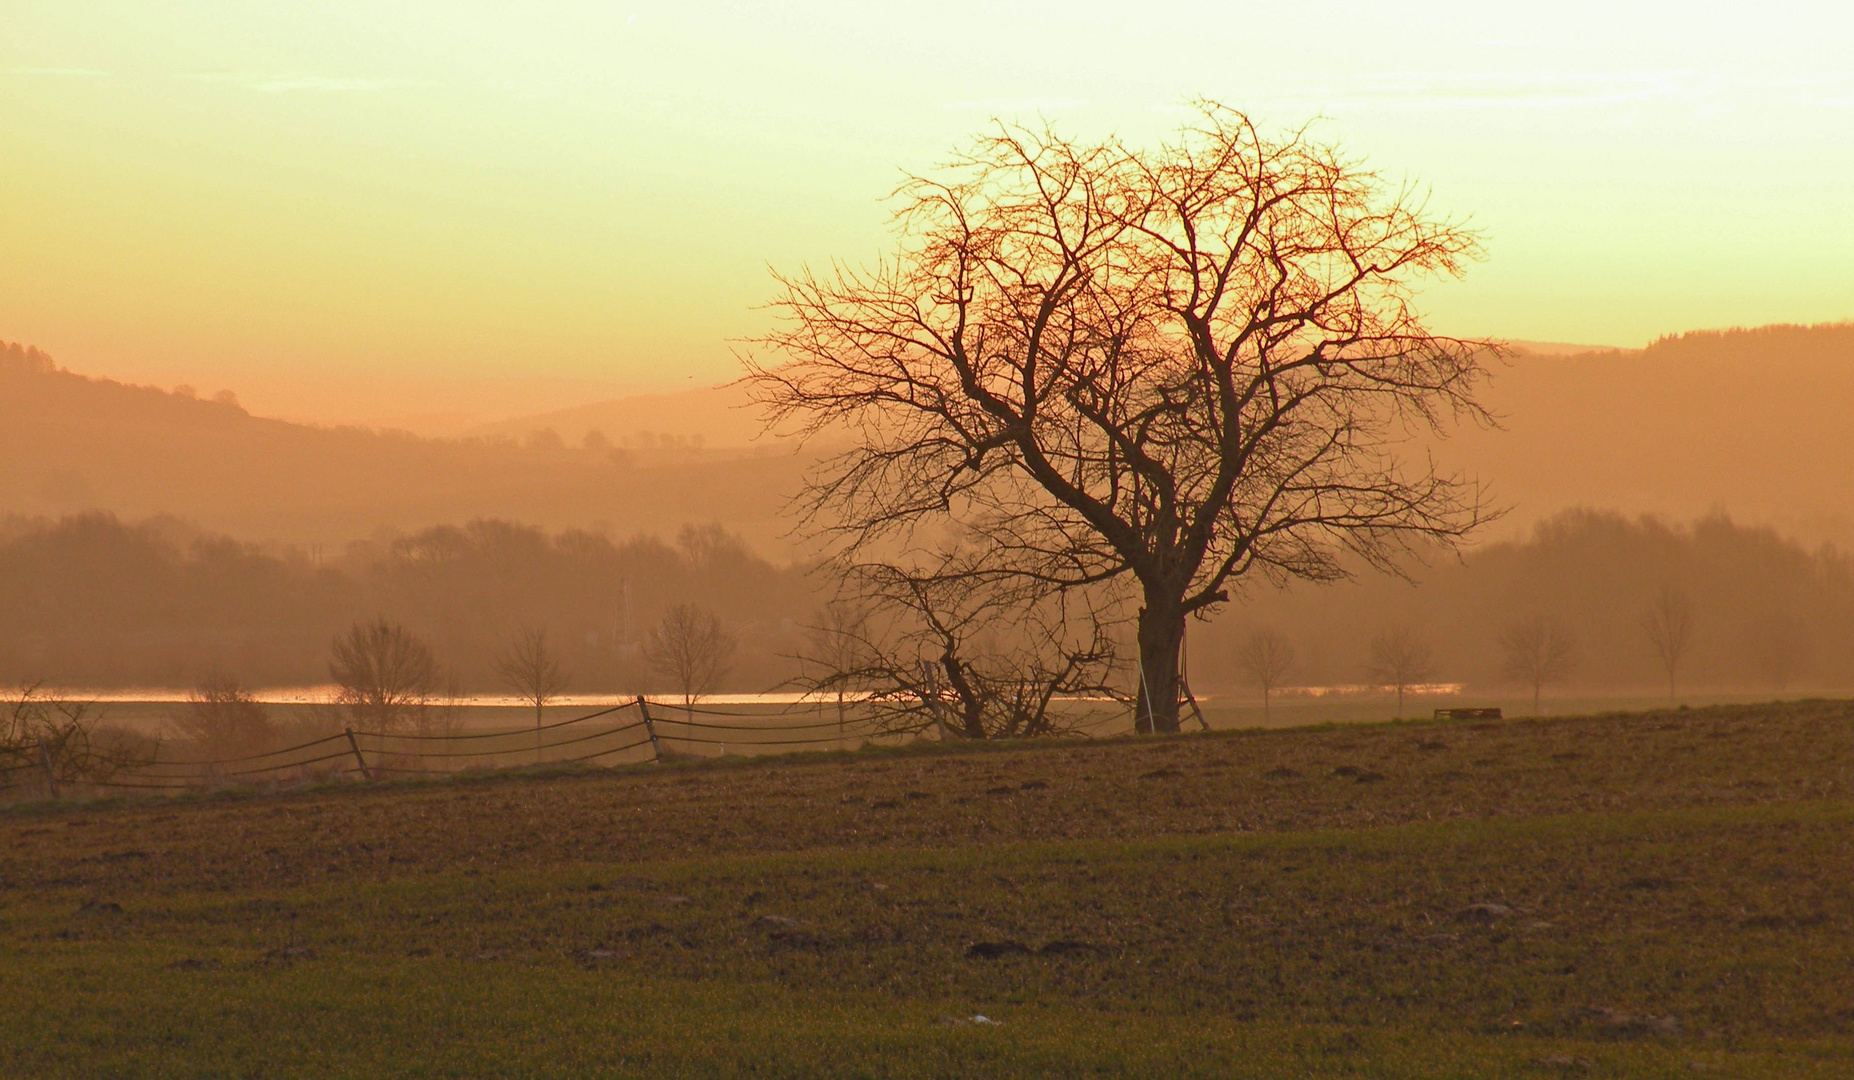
x,y
70,443
1751,422
1743,421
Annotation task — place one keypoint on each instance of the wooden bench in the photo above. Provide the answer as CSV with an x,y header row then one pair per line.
x,y
1467,714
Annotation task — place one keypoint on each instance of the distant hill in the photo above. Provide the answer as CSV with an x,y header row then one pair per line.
x,y
1755,422
69,443
718,416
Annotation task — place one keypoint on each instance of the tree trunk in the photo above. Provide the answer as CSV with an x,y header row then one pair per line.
x,y
971,709
1161,636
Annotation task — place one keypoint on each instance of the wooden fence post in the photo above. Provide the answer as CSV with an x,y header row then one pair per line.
x,y
51,774
656,747
354,745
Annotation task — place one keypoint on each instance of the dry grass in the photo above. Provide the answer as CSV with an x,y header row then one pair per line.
x,y
1626,894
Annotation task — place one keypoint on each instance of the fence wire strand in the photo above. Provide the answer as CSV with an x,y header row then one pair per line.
x,y
515,750
604,753
496,734
747,742
257,757
846,725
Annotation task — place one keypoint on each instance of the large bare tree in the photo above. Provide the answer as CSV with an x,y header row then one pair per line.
x,y
1173,368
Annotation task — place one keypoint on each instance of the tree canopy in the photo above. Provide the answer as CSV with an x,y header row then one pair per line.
x,y
1092,364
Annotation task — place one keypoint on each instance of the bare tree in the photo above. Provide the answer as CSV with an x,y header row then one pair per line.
x,y
222,716
835,645
385,675
532,670
1537,651
1400,658
53,741
1668,623
1265,656
960,652
691,649
1777,647
1173,368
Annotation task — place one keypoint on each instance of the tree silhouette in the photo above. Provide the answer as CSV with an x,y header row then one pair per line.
x,y
384,674
221,715
1265,656
1777,647
1537,651
961,653
836,644
1668,623
530,668
1171,368
691,649
49,739
1400,658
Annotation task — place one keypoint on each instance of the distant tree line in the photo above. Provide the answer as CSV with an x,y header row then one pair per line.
x,y
95,601
1589,600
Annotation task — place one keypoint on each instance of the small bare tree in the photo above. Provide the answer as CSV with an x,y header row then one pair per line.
x,y
1265,656
530,668
836,646
1400,658
223,717
692,649
1777,648
966,654
385,676
1537,651
1668,623
52,741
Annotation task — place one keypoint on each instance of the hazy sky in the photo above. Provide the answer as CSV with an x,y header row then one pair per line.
x,y
371,208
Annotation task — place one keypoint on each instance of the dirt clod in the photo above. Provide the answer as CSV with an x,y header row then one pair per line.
x,y
1563,1063
993,950
1616,1022
1483,913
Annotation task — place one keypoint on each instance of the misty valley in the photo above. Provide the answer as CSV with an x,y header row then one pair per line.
x,y
1134,624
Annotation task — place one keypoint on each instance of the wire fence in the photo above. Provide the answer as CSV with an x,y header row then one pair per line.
x,y
633,732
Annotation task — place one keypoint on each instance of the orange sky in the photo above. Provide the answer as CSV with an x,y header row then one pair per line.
x,y
361,210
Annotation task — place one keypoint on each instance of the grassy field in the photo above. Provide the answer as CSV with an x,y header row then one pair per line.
x,y
1661,894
